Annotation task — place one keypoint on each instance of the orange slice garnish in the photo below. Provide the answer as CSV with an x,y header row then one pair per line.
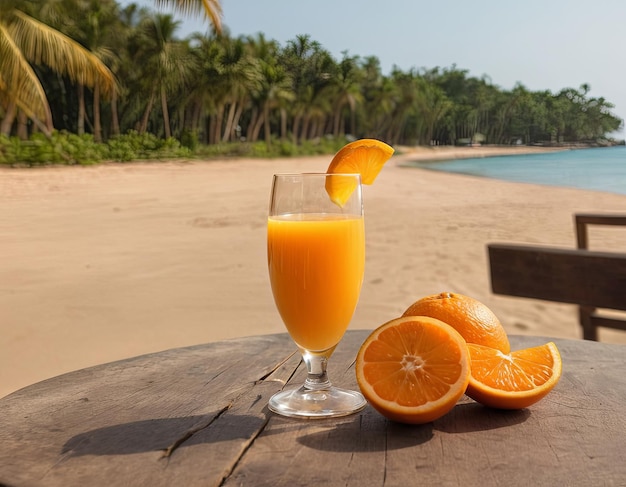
x,y
413,369
365,157
515,380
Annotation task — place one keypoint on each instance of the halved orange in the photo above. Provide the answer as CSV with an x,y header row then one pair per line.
x,y
413,369
471,318
515,380
365,157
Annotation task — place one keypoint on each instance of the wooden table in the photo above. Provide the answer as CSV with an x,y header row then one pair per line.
x,y
198,416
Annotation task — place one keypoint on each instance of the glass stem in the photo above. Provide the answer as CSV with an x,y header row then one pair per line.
x,y
316,363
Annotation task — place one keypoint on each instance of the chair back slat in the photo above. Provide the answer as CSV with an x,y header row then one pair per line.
x,y
583,277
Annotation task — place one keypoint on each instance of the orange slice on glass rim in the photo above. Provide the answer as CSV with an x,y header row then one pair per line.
x,y
413,369
513,380
365,157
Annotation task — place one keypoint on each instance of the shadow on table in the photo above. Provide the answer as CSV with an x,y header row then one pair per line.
x,y
370,431
161,434
367,431
470,417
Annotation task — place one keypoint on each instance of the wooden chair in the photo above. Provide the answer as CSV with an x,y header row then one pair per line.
x,y
581,220
589,317
578,276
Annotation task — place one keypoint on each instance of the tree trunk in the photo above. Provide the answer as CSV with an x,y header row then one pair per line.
x,y
97,123
266,116
196,117
230,119
219,121
283,124
146,114
252,124
353,120
210,121
166,114
313,129
268,131
336,121
115,118
305,128
22,125
296,126
9,118
238,114
257,128
80,123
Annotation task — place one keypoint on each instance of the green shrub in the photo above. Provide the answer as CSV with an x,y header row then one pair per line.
x,y
67,148
189,139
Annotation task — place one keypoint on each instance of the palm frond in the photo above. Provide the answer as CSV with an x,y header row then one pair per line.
x,y
18,81
41,44
211,8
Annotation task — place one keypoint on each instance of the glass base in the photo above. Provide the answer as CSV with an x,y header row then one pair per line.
x,y
323,403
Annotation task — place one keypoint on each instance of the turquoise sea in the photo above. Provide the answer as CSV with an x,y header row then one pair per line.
x,y
601,169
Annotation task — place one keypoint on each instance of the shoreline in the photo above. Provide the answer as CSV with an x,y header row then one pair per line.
x,y
110,261
447,153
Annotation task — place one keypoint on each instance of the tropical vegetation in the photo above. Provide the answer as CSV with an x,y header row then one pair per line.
x,y
89,80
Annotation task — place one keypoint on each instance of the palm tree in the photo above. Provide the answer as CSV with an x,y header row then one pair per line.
x,y
310,68
433,105
202,94
25,41
379,94
406,93
346,90
97,26
275,92
240,78
167,59
211,8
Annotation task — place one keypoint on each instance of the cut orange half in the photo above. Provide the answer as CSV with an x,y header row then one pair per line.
x,y
365,157
515,380
413,369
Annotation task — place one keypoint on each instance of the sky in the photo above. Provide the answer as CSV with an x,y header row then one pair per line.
x,y
542,44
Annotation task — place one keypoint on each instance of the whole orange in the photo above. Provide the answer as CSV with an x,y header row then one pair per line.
x,y
471,318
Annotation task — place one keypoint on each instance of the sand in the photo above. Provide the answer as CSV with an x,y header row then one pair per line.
x,y
107,262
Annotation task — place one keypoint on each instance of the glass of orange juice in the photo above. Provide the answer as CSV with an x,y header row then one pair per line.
x,y
316,259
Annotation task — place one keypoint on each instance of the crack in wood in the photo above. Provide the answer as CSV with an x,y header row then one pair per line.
x,y
351,364
293,372
189,433
246,446
276,367
62,458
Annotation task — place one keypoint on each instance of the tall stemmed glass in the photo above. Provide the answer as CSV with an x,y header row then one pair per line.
x,y
316,259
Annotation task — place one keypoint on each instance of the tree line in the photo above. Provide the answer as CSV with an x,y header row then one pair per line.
x,y
106,70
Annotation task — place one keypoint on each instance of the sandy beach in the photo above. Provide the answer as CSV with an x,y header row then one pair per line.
x,y
111,261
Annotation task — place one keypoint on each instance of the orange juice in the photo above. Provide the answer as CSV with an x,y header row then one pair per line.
x,y
316,264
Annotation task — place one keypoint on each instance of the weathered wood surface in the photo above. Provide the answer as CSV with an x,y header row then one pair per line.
x,y
198,416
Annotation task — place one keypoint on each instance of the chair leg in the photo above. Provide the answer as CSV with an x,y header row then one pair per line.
x,y
589,330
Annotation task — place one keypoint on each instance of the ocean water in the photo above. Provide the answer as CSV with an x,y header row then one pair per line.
x,y
600,169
